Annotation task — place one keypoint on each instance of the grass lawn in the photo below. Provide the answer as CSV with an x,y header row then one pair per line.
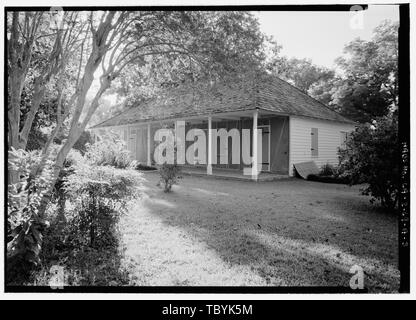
x,y
282,233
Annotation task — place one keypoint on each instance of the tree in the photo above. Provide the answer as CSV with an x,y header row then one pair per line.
x,y
370,75
76,50
302,73
43,121
324,90
103,44
366,85
37,51
232,44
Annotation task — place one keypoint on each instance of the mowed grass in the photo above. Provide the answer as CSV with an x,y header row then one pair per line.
x,y
212,232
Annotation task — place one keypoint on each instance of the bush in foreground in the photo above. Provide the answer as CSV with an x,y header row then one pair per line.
x,y
99,195
91,199
24,224
88,245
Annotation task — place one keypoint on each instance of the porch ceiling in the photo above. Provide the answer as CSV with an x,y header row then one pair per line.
x,y
216,117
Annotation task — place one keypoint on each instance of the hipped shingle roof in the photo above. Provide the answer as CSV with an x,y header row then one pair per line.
x,y
265,92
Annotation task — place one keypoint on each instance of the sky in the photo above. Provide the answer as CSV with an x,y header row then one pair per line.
x,y
321,36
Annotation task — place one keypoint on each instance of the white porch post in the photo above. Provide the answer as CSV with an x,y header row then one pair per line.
x,y
209,157
254,172
149,161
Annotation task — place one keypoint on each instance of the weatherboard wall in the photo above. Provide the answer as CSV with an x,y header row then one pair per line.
x,y
301,141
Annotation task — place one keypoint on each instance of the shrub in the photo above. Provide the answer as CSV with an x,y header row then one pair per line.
x,y
99,195
329,174
329,179
372,155
87,244
109,152
169,175
36,140
24,225
83,141
327,170
73,160
83,265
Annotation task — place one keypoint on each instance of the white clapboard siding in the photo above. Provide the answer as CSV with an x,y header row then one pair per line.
x,y
329,140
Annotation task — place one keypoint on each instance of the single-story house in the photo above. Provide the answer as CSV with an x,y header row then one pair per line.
x,y
295,127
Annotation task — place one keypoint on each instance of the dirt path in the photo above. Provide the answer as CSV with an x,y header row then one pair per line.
x,y
291,232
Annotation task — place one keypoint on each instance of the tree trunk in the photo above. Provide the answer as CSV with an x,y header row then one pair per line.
x,y
98,51
39,92
19,55
74,134
13,121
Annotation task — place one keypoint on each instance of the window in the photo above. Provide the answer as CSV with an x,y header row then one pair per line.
x,y
314,142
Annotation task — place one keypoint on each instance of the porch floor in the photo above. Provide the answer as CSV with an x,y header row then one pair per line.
x,y
231,174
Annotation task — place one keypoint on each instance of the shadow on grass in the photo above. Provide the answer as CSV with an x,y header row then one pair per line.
x,y
310,248
83,265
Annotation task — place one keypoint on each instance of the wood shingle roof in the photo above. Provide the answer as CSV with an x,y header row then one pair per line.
x,y
264,92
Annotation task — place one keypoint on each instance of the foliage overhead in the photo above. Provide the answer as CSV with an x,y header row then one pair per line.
x,y
366,84
370,82
302,73
222,42
60,60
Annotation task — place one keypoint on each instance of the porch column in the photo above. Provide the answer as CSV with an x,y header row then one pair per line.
x,y
209,156
254,168
149,161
